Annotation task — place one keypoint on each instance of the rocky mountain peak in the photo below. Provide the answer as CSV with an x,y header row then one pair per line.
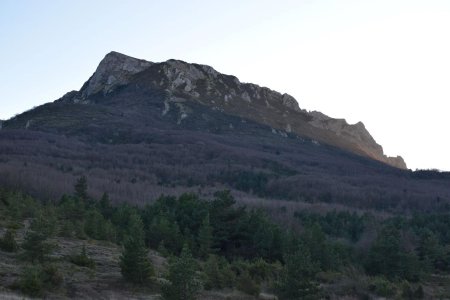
x,y
115,69
290,102
184,81
197,81
209,86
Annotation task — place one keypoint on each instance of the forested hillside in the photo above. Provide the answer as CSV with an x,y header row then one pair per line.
x,y
188,247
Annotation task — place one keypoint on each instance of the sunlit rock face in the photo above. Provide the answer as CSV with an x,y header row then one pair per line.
x,y
183,82
114,70
358,134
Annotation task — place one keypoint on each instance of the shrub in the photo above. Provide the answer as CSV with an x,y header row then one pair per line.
x,y
67,229
247,285
260,270
8,242
35,279
31,282
408,292
382,287
51,276
218,273
418,293
45,222
82,259
328,276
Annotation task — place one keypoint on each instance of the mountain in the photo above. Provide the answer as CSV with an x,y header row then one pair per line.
x,y
192,82
166,141
138,129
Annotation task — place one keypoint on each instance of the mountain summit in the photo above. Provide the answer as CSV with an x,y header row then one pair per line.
x,y
202,84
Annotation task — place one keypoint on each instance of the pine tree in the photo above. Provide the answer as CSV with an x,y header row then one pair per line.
x,y
71,208
161,229
135,227
97,227
385,253
430,251
183,279
81,188
314,240
134,263
388,257
298,279
213,273
105,206
205,238
45,222
36,246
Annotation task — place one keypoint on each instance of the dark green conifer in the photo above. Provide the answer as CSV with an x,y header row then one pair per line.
x,y
183,278
134,262
205,238
8,241
81,188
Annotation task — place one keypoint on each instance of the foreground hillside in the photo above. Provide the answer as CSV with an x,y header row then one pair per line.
x,y
78,247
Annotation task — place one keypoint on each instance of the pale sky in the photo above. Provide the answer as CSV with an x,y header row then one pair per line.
x,y
385,62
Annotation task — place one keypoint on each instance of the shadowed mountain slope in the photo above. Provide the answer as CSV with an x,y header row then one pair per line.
x,y
138,129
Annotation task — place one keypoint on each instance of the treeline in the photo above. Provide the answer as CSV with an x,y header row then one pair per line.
x,y
404,248
216,244
430,174
336,224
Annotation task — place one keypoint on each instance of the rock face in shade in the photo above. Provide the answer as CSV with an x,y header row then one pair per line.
x,y
184,83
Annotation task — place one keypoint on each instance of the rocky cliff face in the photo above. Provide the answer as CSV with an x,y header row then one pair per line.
x,y
114,70
182,82
358,134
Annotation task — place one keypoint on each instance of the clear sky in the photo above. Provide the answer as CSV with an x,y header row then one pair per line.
x,y
384,62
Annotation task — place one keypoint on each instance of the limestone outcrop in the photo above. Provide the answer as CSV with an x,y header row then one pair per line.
x,y
205,85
